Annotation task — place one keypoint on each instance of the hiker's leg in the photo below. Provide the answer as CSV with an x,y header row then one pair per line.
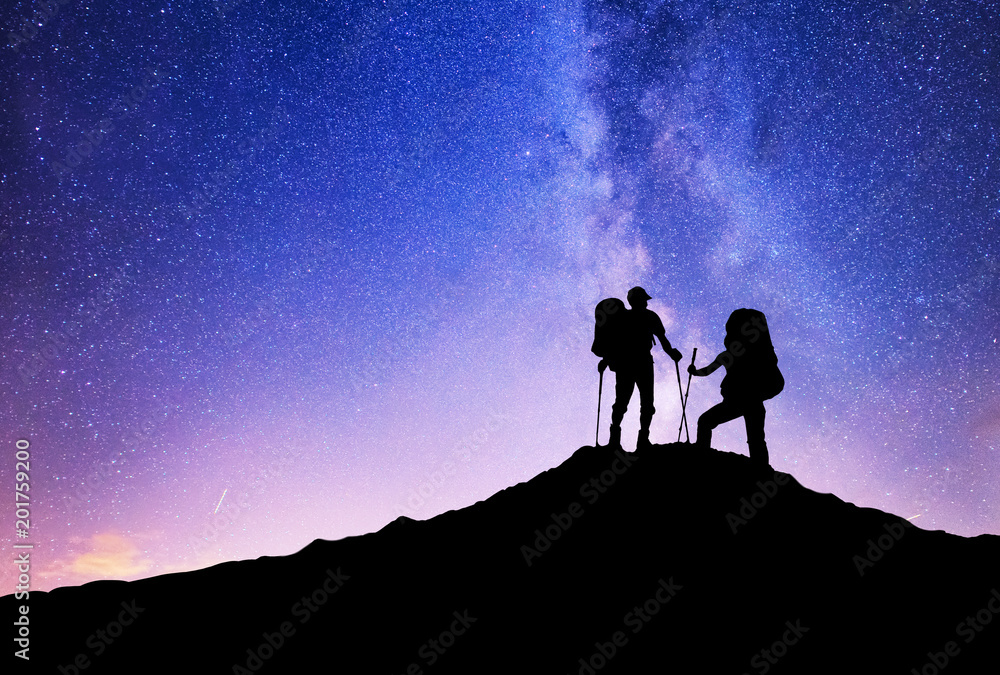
x,y
615,436
644,381
713,417
624,385
753,415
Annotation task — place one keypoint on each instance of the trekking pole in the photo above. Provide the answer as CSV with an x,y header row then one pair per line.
x,y
681,392
600,387
684,422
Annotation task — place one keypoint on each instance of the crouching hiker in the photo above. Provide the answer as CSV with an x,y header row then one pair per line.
x,y
752,377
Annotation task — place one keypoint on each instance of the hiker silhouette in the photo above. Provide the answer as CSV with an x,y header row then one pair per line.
x,y
752,377
623,339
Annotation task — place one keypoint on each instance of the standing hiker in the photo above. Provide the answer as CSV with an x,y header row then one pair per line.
x,y
627,350
752,377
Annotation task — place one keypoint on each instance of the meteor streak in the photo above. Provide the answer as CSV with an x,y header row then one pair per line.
x,y
220,499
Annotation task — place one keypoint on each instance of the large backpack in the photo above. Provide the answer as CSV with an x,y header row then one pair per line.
x,y
609,318
754,372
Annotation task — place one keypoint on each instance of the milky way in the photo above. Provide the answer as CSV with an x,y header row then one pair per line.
x,y
278,273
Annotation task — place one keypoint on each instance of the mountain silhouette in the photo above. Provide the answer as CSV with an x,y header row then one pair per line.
x,y
669,559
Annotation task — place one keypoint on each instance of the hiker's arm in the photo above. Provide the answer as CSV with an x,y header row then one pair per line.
x,y
664,342
707,370
675,354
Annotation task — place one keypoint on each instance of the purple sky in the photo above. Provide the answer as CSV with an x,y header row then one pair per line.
x,y
274,274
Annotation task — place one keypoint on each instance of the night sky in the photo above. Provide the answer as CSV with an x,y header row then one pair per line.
x,y
279,273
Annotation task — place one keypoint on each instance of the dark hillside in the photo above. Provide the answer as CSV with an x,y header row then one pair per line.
x,y
645,562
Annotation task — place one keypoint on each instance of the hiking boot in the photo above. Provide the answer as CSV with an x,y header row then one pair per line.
x,y
759,455
615,441
643,441
703,441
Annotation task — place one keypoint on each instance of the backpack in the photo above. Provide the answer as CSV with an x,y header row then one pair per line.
x,y
754,371
609,317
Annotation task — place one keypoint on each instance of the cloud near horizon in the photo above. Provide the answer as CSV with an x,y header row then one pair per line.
x,y
109,556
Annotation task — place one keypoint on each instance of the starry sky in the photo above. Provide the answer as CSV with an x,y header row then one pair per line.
x,y
275,272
